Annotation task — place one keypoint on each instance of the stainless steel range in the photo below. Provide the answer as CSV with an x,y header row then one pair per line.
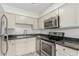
x,y
47,48
48,44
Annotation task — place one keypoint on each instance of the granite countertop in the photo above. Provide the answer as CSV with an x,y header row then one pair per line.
x,y
21,36
68,44
67,41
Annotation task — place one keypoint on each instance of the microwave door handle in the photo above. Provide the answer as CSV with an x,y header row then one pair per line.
x,y
3,35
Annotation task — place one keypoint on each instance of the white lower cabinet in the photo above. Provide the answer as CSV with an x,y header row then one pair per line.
x,y
11,48
18,47
58,53
25,46
61,53
65,51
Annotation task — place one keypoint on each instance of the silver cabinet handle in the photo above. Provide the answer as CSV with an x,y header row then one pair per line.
x,y
3,35
6,23
6,40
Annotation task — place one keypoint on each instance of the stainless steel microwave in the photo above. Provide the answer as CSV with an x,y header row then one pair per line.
x,y
52,22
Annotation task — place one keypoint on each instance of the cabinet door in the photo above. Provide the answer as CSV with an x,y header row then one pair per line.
x,y
66,51
70,51
20,19
25,46
30,45
67,15
11,20
11,48
27,20
59,53
20,46
35,23
23,19
77,22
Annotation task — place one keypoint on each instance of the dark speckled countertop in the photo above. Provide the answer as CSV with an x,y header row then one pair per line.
x,y
27,35
67,41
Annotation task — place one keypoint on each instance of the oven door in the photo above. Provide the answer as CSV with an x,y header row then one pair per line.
x,y
47,48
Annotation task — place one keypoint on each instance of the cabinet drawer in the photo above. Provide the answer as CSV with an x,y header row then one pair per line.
x,y
59,47
59,53
70,51
67,50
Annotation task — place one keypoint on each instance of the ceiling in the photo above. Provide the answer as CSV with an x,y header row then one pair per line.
x,y
31,7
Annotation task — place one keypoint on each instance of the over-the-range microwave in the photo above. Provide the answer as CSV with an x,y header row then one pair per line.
x,y
52,22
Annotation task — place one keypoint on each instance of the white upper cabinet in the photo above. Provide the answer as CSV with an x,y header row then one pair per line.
x,y
77,22
45,17
27,20
67,14
35,23
22,19
11,20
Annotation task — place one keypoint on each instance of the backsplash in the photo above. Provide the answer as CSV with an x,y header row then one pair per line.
x,y
69,32
73,32
19,29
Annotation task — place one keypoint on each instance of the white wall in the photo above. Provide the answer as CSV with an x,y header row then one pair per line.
x,y
15,10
